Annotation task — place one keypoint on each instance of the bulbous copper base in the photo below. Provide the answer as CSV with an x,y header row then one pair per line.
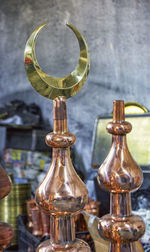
x,y
76,246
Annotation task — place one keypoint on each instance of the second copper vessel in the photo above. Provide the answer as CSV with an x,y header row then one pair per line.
x,y
121,175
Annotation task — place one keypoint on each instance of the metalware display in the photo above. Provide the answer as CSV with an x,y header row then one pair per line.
x,y
13,205
120,175
6,231
38,221
62,194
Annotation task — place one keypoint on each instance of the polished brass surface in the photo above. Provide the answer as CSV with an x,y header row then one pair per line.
x,y
120,174
62,194
52,87
134,108
13,205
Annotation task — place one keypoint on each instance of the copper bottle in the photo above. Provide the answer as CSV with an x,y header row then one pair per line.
x,y
6,231
121,175
62,194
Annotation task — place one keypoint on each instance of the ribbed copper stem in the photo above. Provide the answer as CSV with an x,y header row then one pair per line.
x,y
118,111
120,204
62,229
117,247
60,115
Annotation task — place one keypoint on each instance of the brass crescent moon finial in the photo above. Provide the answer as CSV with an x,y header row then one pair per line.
x,y
52,87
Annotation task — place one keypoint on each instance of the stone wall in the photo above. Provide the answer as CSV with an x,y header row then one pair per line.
x,y
117,33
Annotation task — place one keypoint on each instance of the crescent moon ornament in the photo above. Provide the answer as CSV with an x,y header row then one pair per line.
x,y
52,87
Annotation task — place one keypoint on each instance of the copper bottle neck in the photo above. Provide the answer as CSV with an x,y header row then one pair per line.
x,y
120,204
62,229
128,247
59,115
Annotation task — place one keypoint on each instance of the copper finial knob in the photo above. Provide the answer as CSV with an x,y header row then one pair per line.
x,y
120,174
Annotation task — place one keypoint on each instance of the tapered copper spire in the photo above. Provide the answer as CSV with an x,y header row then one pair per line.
x,y
62,194
121,175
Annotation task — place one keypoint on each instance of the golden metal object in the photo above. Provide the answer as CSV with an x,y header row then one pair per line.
x,y
134,108
13,205
52,87
121,175
62,194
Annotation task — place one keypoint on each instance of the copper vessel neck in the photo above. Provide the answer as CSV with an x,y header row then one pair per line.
x,y
60,115
62,229
118,111
117,247
120,204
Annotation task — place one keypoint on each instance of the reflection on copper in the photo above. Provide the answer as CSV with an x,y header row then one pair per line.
x,y
36,221
6,231
62,194
45,224
6,235
30,204
92,207
121,175
5,183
